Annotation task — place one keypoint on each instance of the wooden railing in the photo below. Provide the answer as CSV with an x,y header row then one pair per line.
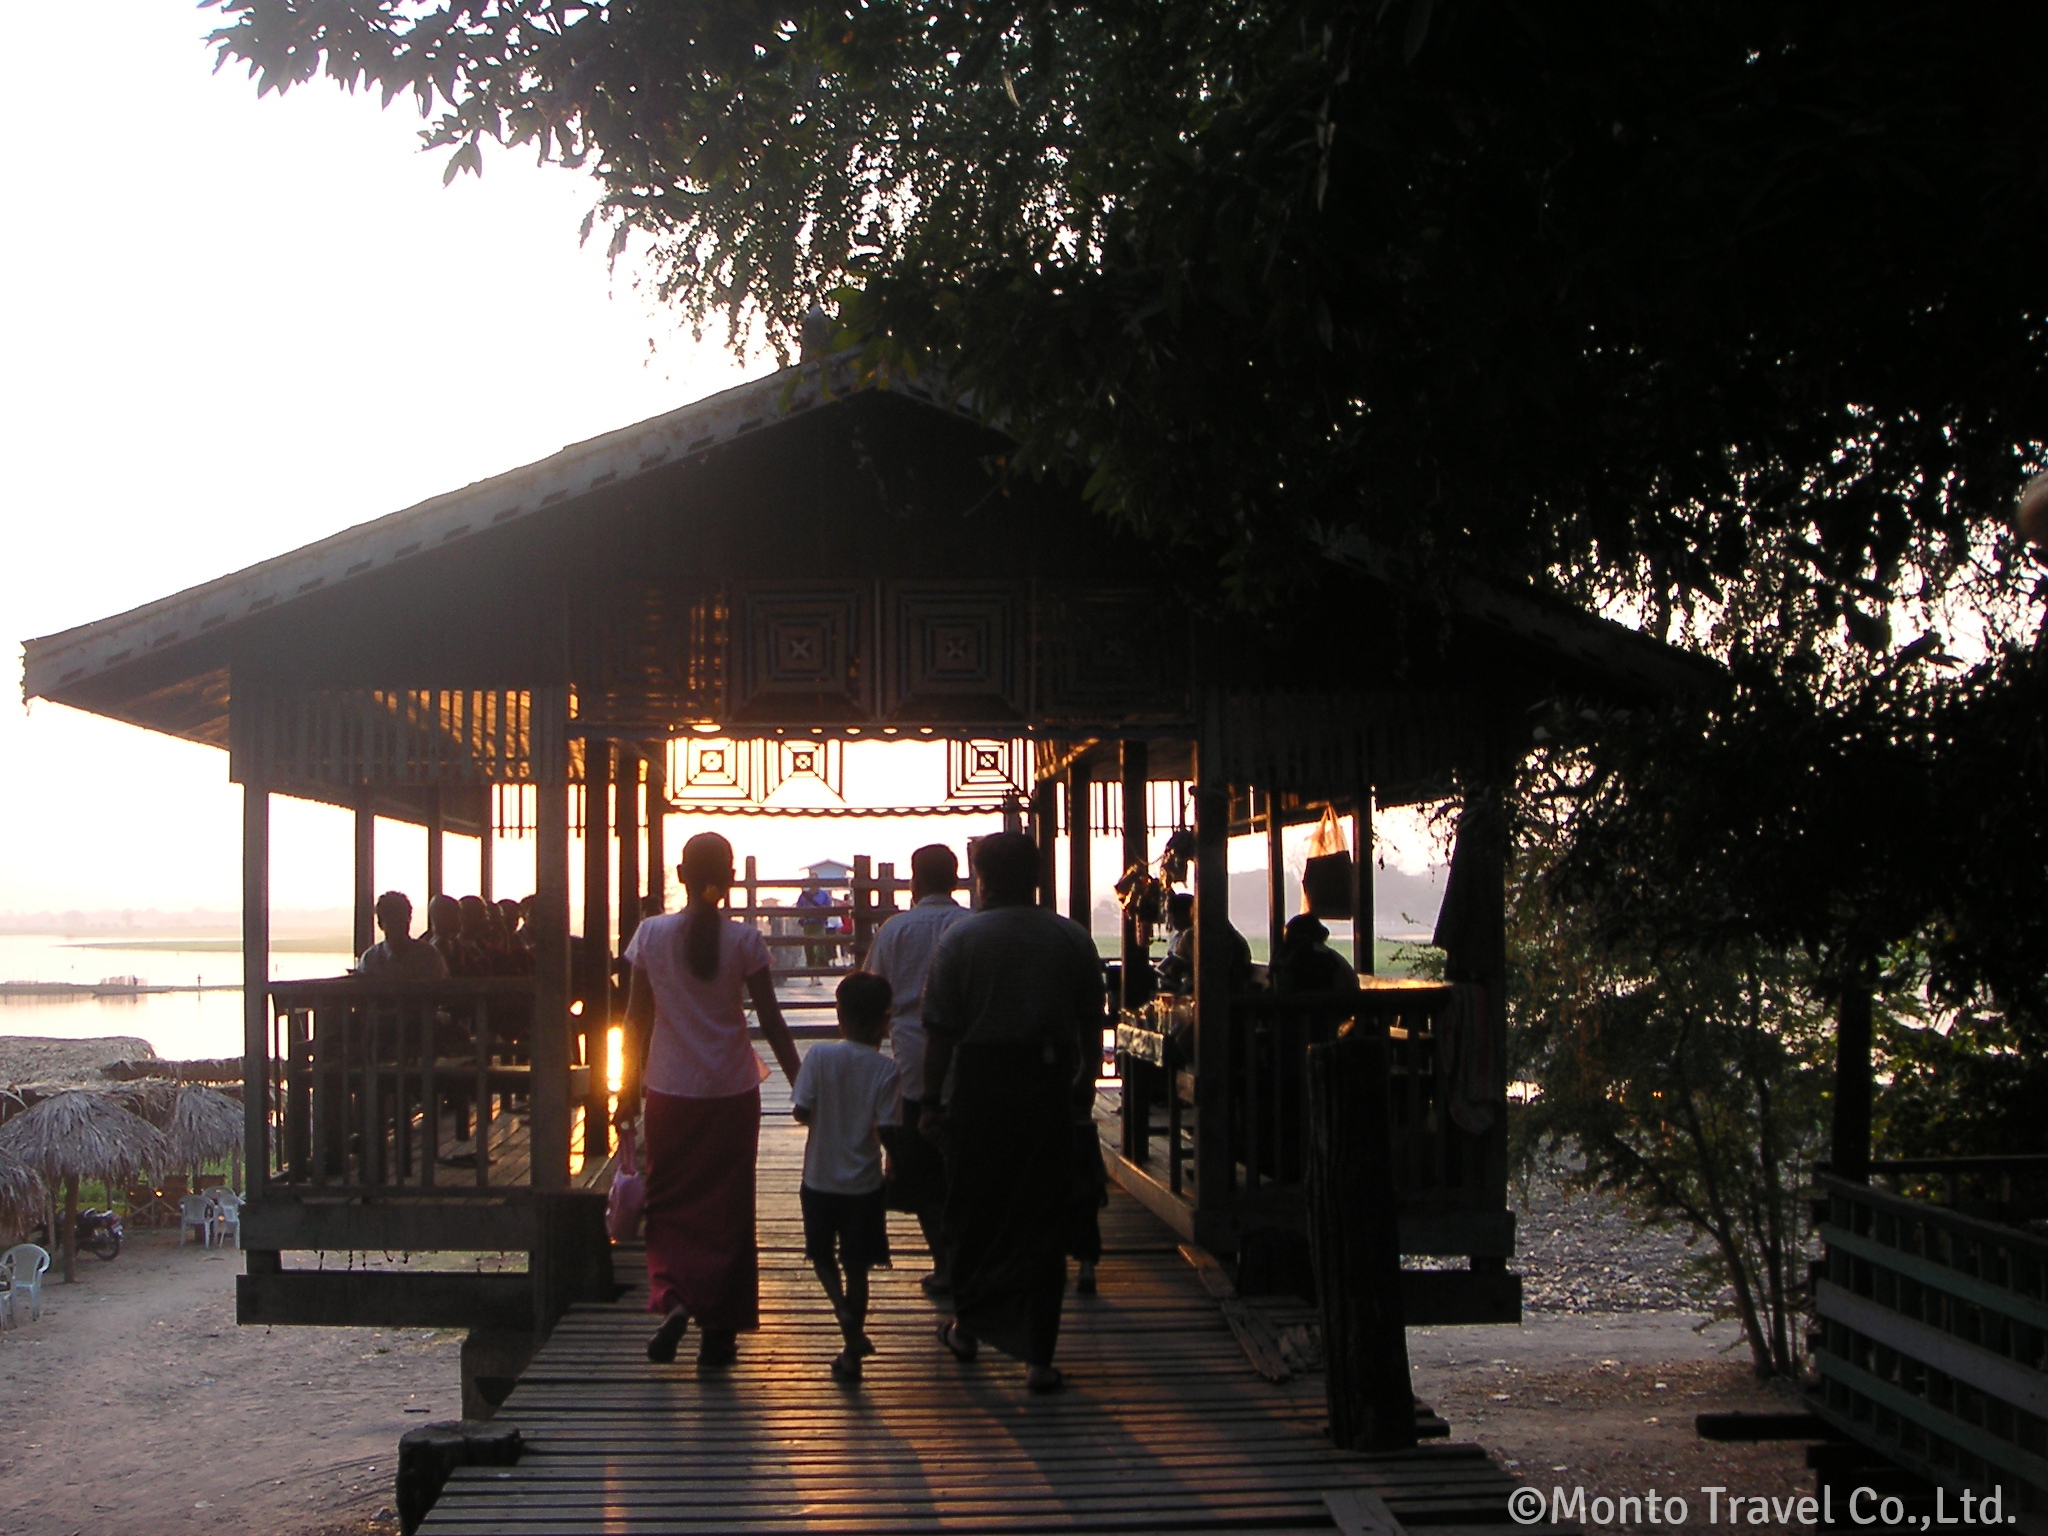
x,y
1933,1342
386,1086
1441,1168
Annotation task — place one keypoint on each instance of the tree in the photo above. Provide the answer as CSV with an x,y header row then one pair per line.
x,y
1594,297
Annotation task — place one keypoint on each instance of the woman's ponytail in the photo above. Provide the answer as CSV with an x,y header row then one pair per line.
x,y
706,869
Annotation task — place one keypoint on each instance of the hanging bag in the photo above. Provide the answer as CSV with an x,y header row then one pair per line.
x,y
1327,879
628,1198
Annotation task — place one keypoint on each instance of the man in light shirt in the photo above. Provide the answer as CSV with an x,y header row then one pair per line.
x,y
902,954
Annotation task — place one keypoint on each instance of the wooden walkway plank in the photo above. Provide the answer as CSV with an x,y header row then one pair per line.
x,y
1165,1427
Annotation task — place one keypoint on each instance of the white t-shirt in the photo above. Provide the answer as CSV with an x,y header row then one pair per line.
x,y
700,1048
849,1089
902,954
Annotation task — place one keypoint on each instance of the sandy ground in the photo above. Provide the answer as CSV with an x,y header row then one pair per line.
x,y
137,1406
1606,1401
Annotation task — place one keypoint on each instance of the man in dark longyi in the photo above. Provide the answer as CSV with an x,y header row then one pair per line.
x,y
1014,1007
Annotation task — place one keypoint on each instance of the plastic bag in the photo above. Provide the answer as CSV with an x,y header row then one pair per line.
x,y
1326,879
628,1198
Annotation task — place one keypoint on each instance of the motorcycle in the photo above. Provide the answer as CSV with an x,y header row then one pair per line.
x,y
99,1234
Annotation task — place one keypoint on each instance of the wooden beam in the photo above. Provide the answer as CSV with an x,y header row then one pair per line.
x,y
365,874
255,982
1045,832
628,779
383,1299
1850,1139
595,983
657,830
1215,1168
551,934
1137,850
1361,885
1276,875
487,848
437,850
1080,881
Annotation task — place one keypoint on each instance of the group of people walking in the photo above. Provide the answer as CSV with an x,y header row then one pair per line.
x,y
978,1120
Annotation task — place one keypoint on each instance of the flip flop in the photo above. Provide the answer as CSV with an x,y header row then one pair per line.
x,y
947,1330
661,1349
846,1367
1056,1382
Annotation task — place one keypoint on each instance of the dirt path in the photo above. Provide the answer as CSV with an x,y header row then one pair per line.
x,y
137,1406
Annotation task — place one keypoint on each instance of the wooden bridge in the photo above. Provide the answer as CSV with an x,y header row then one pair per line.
x,y
1165,1425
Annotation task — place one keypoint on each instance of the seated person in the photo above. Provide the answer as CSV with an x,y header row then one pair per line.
x,y
444,931
1306,963
400,956
480,953
1177,970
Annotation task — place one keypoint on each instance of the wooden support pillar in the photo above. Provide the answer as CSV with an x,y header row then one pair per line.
x,y
1215,1168
1276,876
657,830
1361,885
1354,1234
487,847
596,983
628,778
1080,883
255,981
1045,832
551,939
1137,961
365,874
1471,930
437,864
1850,1140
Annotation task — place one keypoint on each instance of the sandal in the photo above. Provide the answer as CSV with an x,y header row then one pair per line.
x,y
846,1367
948,1336
1053,1380
661,1349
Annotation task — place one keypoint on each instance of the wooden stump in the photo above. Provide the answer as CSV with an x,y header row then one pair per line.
x,y
426,1457
1354,1233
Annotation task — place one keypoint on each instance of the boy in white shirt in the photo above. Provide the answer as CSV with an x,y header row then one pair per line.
x,y
847,1088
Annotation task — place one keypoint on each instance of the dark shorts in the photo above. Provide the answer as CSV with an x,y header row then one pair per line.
x,y
860,1223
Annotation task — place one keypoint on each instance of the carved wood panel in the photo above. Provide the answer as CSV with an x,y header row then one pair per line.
x,y
804,652
955,652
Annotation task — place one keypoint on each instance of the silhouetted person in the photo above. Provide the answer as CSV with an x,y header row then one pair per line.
x,y
1014,1009
1177,969
400,956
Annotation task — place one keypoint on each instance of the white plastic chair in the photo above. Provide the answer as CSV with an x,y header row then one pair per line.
x,y
195,1212
224,1209
26,1264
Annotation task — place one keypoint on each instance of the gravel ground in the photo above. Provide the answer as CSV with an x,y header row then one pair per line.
x,y
1579,1251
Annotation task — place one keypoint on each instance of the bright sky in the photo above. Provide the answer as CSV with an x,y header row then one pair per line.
x,y
234,326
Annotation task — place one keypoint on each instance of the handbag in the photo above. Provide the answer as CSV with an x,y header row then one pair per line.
x,y
1326,879
627,1201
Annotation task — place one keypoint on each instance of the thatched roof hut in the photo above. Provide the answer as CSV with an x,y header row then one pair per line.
x,y
21,1198
155,1099
83,1135
205,1125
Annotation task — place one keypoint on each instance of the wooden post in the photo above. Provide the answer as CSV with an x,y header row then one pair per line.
x,y
366,873
1850,1141
861,924
1045,831
1361,885
437,866
657,830
551,935
1354,1234
1080,881
628,778
70,1249
487,847
1215,1168
1276,877
255,980
1137,850
597,937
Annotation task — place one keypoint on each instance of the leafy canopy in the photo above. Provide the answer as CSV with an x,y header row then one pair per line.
x,y
1598,296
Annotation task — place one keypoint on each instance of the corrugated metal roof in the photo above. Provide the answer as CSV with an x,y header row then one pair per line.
x,y
54,663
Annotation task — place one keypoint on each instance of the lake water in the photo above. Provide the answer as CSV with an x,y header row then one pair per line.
x,y
178,1025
